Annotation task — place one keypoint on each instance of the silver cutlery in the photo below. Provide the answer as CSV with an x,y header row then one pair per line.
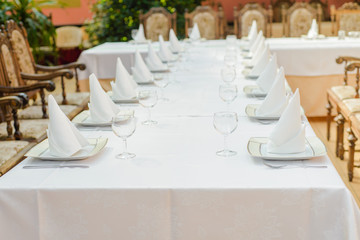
x,y
278,166
54,166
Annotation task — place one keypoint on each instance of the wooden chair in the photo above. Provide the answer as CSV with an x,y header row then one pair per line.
x,y
210,22
68,41
157,21
346,18
250,12
12,151
297,19
279,6
18,38
323,6
335,97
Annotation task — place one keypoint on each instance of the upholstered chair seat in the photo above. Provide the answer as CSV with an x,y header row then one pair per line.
x,y
344,92
30,129
35,112
78,98
353,104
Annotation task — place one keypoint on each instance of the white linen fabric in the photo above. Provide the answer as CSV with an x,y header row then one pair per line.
x,y
102,108
261,64
314,30
124,86
257,54
175,45
140,36
258,40
253,31
164,52
268,75
141,73
276,100
153,61
288,135
195,33
64,138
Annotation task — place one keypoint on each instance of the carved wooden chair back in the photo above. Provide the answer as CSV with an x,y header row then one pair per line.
x,y
346,18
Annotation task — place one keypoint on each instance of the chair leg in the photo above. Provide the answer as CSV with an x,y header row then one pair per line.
x,y
64,101
43,103
350,166
77,81
17,133
340,136
328,119
337,136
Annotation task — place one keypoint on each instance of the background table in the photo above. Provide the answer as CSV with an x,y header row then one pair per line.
x,y
176,187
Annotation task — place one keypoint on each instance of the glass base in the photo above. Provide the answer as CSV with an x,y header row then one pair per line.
x,y
226,153
125,155
149,122
164,99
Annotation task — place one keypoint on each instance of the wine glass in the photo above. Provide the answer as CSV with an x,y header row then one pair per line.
x,y
228,93
228,74
134,33
148,99
162,83
225,123
124,125
230,59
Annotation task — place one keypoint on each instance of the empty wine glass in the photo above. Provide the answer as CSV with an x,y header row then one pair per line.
x,y
228,93
148,99
230,59
225,123
124,125
228,74
134,33
162,83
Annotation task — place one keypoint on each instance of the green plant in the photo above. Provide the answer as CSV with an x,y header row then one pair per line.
x,y
41,31
113,20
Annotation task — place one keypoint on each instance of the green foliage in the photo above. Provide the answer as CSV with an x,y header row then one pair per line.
x,y
41,32
114,19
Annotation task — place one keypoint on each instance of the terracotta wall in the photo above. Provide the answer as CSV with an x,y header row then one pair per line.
x,y
79,10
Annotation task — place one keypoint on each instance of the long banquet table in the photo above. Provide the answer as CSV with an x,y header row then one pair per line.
x,y
177,188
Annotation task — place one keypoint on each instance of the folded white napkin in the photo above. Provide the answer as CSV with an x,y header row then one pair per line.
x,y
153,61
141,73
140,35
164,52
64,138
174,42
261,64
314,30
258,39
253,30
195,33
257,54
269,75
276,100
288,136
102,108
124,86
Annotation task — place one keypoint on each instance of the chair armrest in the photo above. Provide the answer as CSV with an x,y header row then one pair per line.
x,y
15,102
341,59
74,65
48,85
48,76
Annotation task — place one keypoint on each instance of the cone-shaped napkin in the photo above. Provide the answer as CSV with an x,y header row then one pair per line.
x,y
288,136
153,61
261,64
141,73
257,54
164,52
276,100
314,31
195,33
269,75
140,36
124,86
258,39
64,139
102,108
253,30
174,42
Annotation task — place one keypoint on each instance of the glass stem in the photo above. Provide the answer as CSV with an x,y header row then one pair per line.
x,y
225,142
125,145
149,114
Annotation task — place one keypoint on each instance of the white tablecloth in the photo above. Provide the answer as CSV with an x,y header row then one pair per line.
x,y
177,188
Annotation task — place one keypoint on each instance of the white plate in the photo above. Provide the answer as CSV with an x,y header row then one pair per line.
x,y
161,70
139,42
250,111
84,119
246,73
122,101
254,91
314,147
320,36
41,150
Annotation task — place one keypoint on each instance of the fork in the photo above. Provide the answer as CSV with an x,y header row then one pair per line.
x,y
291,165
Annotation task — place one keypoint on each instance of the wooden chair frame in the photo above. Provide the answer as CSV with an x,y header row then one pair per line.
x,y
219,19
170,16
11,26
286,14
268,16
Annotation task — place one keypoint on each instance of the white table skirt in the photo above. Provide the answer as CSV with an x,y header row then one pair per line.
x,y
177,188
